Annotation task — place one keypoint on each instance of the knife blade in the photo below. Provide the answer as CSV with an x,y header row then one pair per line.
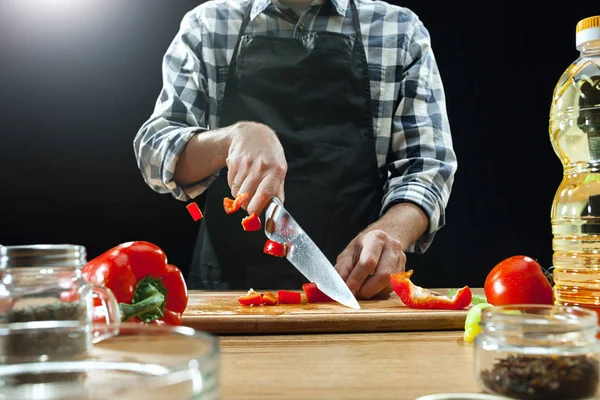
x,y
305,255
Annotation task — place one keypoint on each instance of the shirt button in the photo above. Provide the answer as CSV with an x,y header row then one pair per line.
x,y
300,28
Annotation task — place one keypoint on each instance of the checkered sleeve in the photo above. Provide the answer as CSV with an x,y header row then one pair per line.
x,y
422,162
179,114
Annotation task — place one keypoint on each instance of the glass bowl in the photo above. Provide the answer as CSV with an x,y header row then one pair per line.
x,y
136,362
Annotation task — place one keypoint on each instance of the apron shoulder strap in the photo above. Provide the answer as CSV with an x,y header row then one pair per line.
x,y
245,23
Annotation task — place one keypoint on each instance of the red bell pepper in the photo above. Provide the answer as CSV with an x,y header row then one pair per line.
x,y
194,211
314,295
286,297
274,248
147,287
269,299
417,297
251,222
251,298
231,205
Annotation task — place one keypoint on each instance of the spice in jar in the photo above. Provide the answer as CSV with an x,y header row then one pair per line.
x,y
59,342
69,340
543,377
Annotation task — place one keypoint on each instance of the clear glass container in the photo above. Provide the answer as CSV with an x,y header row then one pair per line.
x,y
43,283
145,362
538,352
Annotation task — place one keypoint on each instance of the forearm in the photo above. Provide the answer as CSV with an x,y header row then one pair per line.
x,y
405,222
204,155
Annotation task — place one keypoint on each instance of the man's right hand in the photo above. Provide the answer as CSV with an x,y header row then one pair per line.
x,y
256,164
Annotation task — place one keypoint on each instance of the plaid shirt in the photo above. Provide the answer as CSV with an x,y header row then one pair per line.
x,y
413,141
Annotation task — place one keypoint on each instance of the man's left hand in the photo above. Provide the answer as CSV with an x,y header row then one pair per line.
x,y
368,261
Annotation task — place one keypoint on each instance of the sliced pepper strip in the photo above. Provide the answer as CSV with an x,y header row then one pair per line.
x,y
269,299
314,294
251,222
231,205
414,296
287,297
274,248
251,298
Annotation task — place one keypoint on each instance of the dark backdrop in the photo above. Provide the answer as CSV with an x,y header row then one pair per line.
x,y
79,77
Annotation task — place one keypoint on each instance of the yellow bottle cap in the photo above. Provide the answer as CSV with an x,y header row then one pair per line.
x,y
587,29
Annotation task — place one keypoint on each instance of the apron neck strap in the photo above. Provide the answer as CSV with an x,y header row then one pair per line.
x,y
246,21
356,23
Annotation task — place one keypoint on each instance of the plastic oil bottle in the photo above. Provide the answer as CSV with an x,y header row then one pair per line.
x,y
575,136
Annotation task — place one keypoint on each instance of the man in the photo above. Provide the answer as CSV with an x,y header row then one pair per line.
x,y
335,105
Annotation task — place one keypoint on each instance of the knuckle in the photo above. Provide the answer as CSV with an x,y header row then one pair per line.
x,y
382,278
395,246
379,235
402,257
246,162
262,164
354,280
232,163
280,169
260,196
370,263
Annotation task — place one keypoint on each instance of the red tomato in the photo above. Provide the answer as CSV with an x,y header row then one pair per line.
x,y
518,280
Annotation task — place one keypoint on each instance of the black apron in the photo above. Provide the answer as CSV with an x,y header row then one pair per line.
x,y
314,93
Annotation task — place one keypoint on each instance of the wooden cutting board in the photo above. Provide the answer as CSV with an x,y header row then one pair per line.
x,y
220,313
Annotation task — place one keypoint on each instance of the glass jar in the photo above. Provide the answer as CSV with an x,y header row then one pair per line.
x,y
44,284
538,352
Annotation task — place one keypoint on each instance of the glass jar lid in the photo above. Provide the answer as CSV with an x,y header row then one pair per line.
x,y
42,255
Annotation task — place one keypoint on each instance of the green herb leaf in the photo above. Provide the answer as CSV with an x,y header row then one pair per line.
x,y
477,299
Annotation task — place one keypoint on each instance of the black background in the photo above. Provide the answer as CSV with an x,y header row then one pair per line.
x,y
79,77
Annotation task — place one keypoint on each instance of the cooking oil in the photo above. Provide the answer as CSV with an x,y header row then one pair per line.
x,y
575,136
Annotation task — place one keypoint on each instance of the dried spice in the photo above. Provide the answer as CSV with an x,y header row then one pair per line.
x,y
53,343
56,311
58,342
543,377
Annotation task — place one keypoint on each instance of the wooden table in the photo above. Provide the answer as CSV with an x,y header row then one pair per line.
x,y
403,365
372,366
399,365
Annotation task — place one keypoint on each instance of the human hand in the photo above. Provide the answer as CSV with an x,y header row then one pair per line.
x,y
256,164
368,261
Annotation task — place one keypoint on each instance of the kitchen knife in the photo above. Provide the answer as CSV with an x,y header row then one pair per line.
x,y
304,254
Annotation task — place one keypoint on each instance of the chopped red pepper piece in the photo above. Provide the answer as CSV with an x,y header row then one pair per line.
x,y
314,295
274,249
231,205
286,297
251,298
269,299
228,205
194,211
251,222
414,296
